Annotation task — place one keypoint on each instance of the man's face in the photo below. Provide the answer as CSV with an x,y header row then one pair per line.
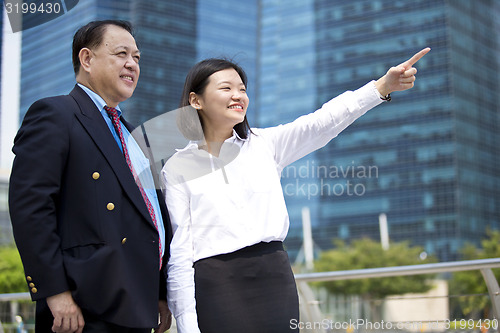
x,y
114,66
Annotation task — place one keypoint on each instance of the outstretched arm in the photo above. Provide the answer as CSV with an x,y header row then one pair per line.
x,y
294,140
400,77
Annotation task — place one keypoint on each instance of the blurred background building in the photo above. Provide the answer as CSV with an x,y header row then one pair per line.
x,y
428,159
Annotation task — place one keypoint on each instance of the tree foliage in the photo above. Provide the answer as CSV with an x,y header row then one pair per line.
x,y
471,283
11,271
366,253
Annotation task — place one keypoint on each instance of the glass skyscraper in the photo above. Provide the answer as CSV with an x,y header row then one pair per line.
x,y
435,148
428,159
230,31
287,90
166,36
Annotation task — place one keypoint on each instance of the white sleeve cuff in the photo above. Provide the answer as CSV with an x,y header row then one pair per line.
x,y
187,323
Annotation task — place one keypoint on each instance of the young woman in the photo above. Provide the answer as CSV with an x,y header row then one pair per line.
x,y
228,271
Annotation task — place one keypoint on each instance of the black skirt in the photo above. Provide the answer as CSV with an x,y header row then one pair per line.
x,y
250,290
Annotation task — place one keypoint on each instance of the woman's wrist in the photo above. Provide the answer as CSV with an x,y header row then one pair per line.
x,y
382,87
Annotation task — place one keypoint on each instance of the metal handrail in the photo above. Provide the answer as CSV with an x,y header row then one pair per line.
x,y
15,297
443,267
452,266
483,265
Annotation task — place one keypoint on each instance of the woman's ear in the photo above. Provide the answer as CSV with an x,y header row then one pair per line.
x,y
194,100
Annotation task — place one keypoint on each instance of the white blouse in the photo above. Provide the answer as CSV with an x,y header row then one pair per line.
x,y
218,205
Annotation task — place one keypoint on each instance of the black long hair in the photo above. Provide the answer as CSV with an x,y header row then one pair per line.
x,y
197,81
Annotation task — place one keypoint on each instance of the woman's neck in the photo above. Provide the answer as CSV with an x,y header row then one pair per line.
x,y
215,138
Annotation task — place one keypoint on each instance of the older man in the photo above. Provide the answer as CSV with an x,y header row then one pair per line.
x,y
88,224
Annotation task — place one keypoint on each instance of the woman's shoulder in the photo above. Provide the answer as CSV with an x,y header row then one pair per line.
x,y
265,133
260,131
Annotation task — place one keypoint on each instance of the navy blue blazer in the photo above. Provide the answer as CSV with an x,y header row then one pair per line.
x,y
79,220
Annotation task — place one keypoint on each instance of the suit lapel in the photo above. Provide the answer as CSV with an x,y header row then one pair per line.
x,y
98,130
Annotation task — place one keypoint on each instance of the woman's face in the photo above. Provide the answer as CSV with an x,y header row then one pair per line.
x,y
224,102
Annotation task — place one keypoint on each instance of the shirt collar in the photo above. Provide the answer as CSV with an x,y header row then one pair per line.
x,y
235,138
98,100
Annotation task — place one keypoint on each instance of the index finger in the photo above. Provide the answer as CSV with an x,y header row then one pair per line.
x,y
410,62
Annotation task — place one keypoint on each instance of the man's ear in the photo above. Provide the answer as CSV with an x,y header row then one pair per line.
x,y
85,55
194,101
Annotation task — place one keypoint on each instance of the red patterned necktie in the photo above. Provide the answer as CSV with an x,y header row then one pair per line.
x,y
113,114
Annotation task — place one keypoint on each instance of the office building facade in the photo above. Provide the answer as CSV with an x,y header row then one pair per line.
x,y
429,158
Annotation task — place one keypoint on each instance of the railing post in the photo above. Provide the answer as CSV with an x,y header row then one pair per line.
x,y
14,309
309,308
493,290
